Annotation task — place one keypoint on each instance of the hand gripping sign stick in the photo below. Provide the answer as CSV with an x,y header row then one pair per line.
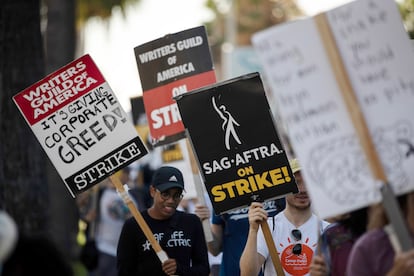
x,y
138,217
389,201
270,243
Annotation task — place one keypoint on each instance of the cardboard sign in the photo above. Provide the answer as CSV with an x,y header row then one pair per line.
x,y
138,111
379,61
236,143
80,124
168,67
173,154
139,120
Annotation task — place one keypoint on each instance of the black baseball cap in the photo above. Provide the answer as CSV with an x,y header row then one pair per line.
x,y
167,177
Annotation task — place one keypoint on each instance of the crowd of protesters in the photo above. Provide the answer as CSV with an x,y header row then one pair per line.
x,y
358,243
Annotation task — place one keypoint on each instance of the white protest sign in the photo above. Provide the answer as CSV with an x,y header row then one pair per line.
x,y
378,56
80,124
370,36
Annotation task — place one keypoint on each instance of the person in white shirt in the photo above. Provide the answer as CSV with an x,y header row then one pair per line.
x,y
295,232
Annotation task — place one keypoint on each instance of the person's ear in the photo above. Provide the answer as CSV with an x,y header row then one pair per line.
x,y
152,191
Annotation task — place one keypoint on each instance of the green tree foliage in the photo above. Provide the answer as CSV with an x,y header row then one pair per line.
x,y
100,8
407,13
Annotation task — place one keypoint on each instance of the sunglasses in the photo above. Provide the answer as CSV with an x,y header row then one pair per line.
x,y
297,236
166,195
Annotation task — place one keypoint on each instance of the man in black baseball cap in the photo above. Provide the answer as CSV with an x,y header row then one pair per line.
x,y
166,178
179,234
167,183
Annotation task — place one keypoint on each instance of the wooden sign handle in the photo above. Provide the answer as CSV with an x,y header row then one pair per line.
x,y
389,201
199,189
138,217
200,195
272,249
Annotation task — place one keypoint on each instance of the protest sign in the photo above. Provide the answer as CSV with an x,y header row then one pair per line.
x,y
168,67
80,124
138,111
139,120
174,154
378,60
236,143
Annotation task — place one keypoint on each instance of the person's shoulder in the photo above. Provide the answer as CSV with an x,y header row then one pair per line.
x,y
375,234
187,216
274,206
188,220
277,218
334,228
131,221
323,224
219,219
337,233
280,216
372,237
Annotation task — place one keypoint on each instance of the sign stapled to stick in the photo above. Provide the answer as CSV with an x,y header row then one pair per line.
x,y
236,143
80,124
170,66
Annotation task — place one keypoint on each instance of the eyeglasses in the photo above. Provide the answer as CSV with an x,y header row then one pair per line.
x,y
297,236
166,195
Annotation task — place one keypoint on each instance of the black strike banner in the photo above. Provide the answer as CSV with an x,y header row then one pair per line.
x,y
236,144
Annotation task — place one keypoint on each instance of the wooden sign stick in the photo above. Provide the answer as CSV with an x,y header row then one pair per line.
x,y
199,189
138,217
389,201
272,249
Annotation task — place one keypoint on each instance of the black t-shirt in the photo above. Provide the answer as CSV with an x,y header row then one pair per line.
x,y
180,236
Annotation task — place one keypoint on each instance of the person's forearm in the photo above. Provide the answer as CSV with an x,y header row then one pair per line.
x,y
215,246
249,260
